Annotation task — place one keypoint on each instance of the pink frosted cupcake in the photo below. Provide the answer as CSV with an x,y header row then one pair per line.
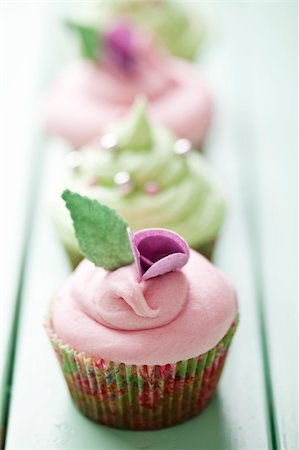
x,y
142,329
119,65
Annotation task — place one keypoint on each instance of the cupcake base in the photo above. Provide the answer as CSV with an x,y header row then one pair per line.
x,y
141,397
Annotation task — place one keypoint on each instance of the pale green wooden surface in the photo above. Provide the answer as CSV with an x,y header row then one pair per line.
x,y
25,65
18,83
242,144
268,132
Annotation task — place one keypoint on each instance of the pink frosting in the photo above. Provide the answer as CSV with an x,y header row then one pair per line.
x,y
162,320
88,97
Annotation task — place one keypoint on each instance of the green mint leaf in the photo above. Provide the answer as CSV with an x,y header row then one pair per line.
x,y
89,39
100,231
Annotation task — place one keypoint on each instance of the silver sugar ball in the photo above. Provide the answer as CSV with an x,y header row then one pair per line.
x,y
182,147
124,182
109,141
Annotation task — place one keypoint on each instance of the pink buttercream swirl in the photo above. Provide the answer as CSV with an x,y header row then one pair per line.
x,y
174,317
132,63
117,300
89,96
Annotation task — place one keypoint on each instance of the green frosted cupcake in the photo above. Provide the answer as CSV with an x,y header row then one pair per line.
x,y
150,178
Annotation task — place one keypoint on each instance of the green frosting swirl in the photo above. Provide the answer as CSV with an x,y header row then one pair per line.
x,y
189,201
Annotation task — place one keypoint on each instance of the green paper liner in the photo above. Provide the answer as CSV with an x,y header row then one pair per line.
x,y
141,397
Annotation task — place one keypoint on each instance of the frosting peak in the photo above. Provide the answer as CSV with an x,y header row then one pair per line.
x,y
136,133
133,295
117,300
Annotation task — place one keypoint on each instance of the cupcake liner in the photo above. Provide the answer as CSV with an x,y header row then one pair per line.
x,y
141,397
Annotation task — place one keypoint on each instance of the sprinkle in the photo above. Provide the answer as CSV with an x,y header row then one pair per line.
x,y
123,181
92,181
182,147
151,188
109,141
74,159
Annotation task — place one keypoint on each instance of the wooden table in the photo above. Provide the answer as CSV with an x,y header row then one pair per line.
x,y
250,63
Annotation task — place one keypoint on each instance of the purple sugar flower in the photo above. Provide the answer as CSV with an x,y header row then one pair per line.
x,y
157,251
119,46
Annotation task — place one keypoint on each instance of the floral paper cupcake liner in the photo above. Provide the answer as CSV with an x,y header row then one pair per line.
x,y
141,397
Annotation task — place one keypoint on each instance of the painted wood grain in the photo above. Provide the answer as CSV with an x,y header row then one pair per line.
x,y
19,77
268,141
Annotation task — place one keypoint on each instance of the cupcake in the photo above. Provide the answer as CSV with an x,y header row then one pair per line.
x,y
142,328
179,28
119,64
151,178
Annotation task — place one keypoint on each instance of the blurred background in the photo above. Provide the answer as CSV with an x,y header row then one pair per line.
x,y
249,60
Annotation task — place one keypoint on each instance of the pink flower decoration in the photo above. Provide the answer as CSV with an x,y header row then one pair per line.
x,y
157,251
119,45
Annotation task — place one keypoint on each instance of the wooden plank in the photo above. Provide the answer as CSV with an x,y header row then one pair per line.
x,y
42,415
272,201
19,77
